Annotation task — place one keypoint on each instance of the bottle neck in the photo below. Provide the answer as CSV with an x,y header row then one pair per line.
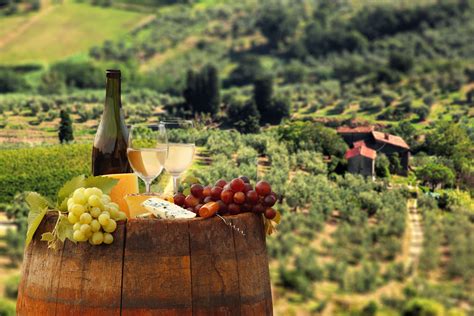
x,y
112,94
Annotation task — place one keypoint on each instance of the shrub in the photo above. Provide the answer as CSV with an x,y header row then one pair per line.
x,y
81,75
7,308
11,287
52,83
11,81
423,307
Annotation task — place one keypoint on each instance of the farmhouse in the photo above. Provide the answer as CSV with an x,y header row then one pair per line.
x,y
365,143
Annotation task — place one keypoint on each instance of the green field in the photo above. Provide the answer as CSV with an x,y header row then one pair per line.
x,y
59,31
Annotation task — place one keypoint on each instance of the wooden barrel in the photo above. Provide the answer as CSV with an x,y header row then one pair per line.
x,y
153,267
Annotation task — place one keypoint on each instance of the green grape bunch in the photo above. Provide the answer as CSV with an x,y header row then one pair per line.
x,y
93,215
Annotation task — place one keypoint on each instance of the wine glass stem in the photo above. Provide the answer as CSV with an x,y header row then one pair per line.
x,y
175,184
147,186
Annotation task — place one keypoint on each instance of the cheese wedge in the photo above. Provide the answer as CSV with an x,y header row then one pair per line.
x,y
164,209
128,184
134,202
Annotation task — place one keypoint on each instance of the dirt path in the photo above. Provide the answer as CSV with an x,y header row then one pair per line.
x,y
28,24
416,235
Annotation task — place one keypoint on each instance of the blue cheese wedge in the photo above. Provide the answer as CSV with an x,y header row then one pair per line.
x,y
164,209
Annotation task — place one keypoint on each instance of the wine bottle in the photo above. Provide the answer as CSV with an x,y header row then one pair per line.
x,y
109,154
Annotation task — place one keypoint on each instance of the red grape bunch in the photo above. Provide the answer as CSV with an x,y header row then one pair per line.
x,y
234,197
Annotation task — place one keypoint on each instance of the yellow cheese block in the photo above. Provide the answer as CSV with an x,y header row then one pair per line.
x,y
128,184
135,201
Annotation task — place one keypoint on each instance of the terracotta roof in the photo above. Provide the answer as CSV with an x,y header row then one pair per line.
x,y
361,151
359,143
390,139
357,130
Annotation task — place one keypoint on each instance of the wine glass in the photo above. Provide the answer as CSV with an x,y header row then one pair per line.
x,y
181,134
147,151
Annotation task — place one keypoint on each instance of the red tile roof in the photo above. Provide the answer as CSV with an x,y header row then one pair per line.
x,y
390,139
361,151
357,130
359,143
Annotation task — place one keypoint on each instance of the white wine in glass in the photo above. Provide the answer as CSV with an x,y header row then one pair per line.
x,y
147,162
147,152
180,158
180,137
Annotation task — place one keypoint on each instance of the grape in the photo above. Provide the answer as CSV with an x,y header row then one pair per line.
x,y
70,202
234,208
78,236
237,185
246,207
108,238
191,201
72,218
97,238
247,187
95,225
104,219
207,199
197,208
76,226
245,179
220,183
263,188
239,197
227,196
216,193
258,208
77,209
105,199
110,227
121,216
88,192
114,205
179,199
94,200
95,212
252,196
270,213
85,218
269,200
105,212
114,213
98,192
78,197
196,190
85,229
222,207
206,191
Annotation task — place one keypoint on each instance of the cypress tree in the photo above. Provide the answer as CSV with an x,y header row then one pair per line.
x,y
65,132
202,90
212,90
262,95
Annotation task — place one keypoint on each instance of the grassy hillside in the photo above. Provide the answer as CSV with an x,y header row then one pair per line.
x,y
59,31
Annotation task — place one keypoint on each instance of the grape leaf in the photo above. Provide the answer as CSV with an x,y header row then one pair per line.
x,y
63,205
190,179
35,216
104,183
64,229
36,201
69,187
47,237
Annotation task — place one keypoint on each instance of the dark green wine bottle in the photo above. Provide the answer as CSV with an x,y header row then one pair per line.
x,y
109,154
